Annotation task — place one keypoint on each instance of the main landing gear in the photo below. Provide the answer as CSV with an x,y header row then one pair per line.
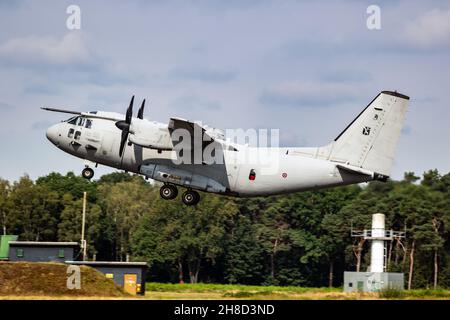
x,y
189,197
168,192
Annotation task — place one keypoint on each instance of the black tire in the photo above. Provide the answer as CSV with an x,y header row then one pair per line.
x,y
168,192
87,173
190,197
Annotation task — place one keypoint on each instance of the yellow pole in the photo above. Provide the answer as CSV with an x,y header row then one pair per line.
x,y
83,242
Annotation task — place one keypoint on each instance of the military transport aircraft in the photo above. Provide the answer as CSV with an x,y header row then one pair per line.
x,y
362,152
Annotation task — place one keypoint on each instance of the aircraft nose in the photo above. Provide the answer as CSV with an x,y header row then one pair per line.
x,y
52,134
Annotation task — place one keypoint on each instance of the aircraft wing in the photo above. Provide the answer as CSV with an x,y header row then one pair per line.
x,y
198,135
191,127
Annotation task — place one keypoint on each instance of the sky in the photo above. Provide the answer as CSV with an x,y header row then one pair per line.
x,y
305,68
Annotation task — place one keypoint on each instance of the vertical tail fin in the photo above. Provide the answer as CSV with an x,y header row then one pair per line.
x,y
370,140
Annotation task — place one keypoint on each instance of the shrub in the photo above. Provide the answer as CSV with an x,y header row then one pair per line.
x,y
392,293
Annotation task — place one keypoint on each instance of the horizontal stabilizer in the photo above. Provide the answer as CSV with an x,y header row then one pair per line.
x,y
361,171
355,170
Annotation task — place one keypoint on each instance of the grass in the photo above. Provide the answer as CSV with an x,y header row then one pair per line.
x,y
235,291
392,293
208,287
426,294
204,291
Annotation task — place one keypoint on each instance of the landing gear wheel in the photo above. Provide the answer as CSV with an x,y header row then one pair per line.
x,y
87,173
190,197
168,192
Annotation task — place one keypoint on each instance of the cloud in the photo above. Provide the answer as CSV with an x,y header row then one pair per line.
x,y
70,49
429,30
308,94
345,75
290,138
10,3
191,102
5,106
41,89
203,74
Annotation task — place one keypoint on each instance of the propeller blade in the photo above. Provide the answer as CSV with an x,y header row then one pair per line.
x,y
124,125
123,140
129,114
141,111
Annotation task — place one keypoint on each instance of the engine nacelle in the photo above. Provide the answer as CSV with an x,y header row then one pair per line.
x,y
181,177
149,134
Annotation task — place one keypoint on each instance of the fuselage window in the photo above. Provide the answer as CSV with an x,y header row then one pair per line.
x,y
73,120
77,135
252,175
70,134
88,124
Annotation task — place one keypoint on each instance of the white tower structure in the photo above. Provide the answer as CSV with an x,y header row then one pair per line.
x,y
376,278
378,237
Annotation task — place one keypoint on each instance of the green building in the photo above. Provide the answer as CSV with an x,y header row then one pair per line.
x,y
4,245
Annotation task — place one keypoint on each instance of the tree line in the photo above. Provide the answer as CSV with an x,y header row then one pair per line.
x,y
299,239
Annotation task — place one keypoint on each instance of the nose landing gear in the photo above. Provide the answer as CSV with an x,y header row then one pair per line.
x,y
87,173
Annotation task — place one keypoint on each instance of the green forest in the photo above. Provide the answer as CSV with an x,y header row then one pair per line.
x,y
301,239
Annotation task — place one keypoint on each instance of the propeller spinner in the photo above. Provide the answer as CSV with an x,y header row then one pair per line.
x,y
124,125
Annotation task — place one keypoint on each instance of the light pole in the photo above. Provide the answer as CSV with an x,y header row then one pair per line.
x,y
83,241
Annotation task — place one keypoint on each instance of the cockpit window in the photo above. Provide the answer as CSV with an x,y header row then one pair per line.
x,y
72,120
70,133
88,124
80,121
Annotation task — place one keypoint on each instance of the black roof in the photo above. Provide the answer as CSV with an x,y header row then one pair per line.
x,y
42,244
109,263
